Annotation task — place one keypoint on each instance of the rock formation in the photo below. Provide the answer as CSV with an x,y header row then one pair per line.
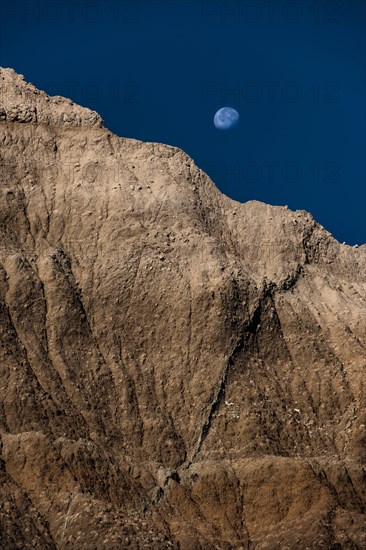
x,y
177,370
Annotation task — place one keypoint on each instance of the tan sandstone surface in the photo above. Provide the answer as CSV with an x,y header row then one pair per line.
x,y
177,370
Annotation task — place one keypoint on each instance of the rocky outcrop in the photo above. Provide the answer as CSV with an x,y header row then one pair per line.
x,y
177,370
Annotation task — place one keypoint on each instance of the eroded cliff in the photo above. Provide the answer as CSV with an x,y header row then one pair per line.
x,y
176,369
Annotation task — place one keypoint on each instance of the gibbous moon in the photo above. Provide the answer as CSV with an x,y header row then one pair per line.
x,y
226,118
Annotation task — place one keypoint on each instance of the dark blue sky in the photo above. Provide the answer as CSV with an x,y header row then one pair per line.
x,y
158,71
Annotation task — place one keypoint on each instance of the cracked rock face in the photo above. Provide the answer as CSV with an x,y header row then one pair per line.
x,y
177,370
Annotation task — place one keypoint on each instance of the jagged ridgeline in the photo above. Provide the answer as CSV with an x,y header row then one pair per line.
x,y
177,370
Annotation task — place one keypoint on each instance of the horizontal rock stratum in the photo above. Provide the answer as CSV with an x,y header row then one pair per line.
x,y
177,370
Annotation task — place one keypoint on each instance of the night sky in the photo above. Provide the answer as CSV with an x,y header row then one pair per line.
x,y
158,71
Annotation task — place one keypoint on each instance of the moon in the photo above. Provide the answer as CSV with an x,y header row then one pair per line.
x,y
226,118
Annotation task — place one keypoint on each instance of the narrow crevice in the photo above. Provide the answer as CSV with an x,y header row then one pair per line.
x,y
360,504
323,478
249,327
31,504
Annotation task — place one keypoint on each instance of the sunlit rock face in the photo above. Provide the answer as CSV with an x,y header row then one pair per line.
x,y
177,370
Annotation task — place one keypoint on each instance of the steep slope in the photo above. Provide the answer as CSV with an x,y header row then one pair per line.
x,y
176,369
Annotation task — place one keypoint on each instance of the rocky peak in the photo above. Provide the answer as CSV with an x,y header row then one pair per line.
x,y
23,102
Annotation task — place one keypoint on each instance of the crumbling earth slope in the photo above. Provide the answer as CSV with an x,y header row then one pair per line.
x,y
177,370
